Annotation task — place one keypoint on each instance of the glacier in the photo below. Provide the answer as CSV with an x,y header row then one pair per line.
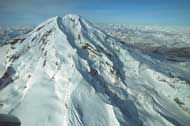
x,y
69,72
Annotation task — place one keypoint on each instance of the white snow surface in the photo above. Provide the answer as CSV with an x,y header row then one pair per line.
x,y
67,72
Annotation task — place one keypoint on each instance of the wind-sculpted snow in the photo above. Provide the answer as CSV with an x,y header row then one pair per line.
x,y
67,72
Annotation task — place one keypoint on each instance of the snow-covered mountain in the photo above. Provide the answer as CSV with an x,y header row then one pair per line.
x,y
67,72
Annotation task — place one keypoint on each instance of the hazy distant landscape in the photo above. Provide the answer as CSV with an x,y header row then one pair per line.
x,y
11,32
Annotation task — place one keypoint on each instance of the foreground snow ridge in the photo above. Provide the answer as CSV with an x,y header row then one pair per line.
x,y
67,72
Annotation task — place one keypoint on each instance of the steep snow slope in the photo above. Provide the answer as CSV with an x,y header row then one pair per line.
x,y
66,72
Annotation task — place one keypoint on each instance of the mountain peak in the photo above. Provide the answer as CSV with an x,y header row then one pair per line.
x,y
72,23
72,16
59,57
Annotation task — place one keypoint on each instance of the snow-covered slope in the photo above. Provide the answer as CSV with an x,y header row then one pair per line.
x,y
67,72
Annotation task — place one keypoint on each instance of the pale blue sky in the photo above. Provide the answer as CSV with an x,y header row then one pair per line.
x,y
157,12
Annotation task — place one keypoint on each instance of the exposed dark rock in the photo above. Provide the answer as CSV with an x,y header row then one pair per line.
x,y
6,79
9,120
178,101
93,72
